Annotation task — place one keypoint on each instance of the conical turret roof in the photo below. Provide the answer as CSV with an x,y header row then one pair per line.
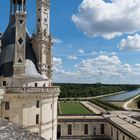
x,y
8,49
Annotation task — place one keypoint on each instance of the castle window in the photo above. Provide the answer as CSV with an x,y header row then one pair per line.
x,y
102,128
21,21
19,60
69,129
45,32
86,129
7,118
4,83
123,137
117,135
7,105
45,20
37,119
35,84
39,20
20,40
94,130
111,131
37,104
58,131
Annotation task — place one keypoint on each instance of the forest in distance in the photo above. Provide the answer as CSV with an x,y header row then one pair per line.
x,y
69,90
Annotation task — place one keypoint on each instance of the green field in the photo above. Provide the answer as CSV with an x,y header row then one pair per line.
x,y
72,108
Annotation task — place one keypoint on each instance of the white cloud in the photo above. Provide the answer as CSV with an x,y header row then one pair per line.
x,y
72,57
94,53
57,64
108,19
81,51
105,68
57,61
131,43
57,41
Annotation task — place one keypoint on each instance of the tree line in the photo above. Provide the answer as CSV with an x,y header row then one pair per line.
x,y
106,105
88,90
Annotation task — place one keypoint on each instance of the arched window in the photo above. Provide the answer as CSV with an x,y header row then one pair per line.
x,y
86,129
69,129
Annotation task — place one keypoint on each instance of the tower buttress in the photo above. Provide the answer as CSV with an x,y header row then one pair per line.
x,y
43,43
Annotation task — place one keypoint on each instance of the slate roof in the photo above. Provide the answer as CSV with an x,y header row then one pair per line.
x,y
0,35
10,131
8,48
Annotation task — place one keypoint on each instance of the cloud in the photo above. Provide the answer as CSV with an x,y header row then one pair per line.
x,y
108,19
104,68
94,53
72,57
131,43
57,64
57,41
57,61
81,51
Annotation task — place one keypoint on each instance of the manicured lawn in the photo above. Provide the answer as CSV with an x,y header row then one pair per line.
x,y
73,108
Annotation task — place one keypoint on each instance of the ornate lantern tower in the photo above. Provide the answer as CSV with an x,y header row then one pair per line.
x,y
42,42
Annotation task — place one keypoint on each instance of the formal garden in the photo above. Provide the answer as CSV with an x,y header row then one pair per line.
x,y
73,108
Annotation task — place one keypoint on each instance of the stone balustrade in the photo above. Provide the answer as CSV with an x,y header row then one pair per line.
x,y
53,89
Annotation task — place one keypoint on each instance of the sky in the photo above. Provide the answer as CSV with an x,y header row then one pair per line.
x,y
95,40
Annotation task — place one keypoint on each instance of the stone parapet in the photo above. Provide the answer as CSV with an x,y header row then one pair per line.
x,y
31,90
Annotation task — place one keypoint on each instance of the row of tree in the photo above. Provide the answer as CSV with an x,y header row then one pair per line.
x,y
88,90
106,105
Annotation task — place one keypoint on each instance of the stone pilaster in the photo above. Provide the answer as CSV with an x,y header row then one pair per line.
x,y
20,43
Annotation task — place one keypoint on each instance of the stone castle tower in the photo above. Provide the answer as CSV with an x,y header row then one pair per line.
x,y
28,97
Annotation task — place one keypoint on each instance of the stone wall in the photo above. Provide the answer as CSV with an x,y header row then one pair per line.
x,y
24,108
